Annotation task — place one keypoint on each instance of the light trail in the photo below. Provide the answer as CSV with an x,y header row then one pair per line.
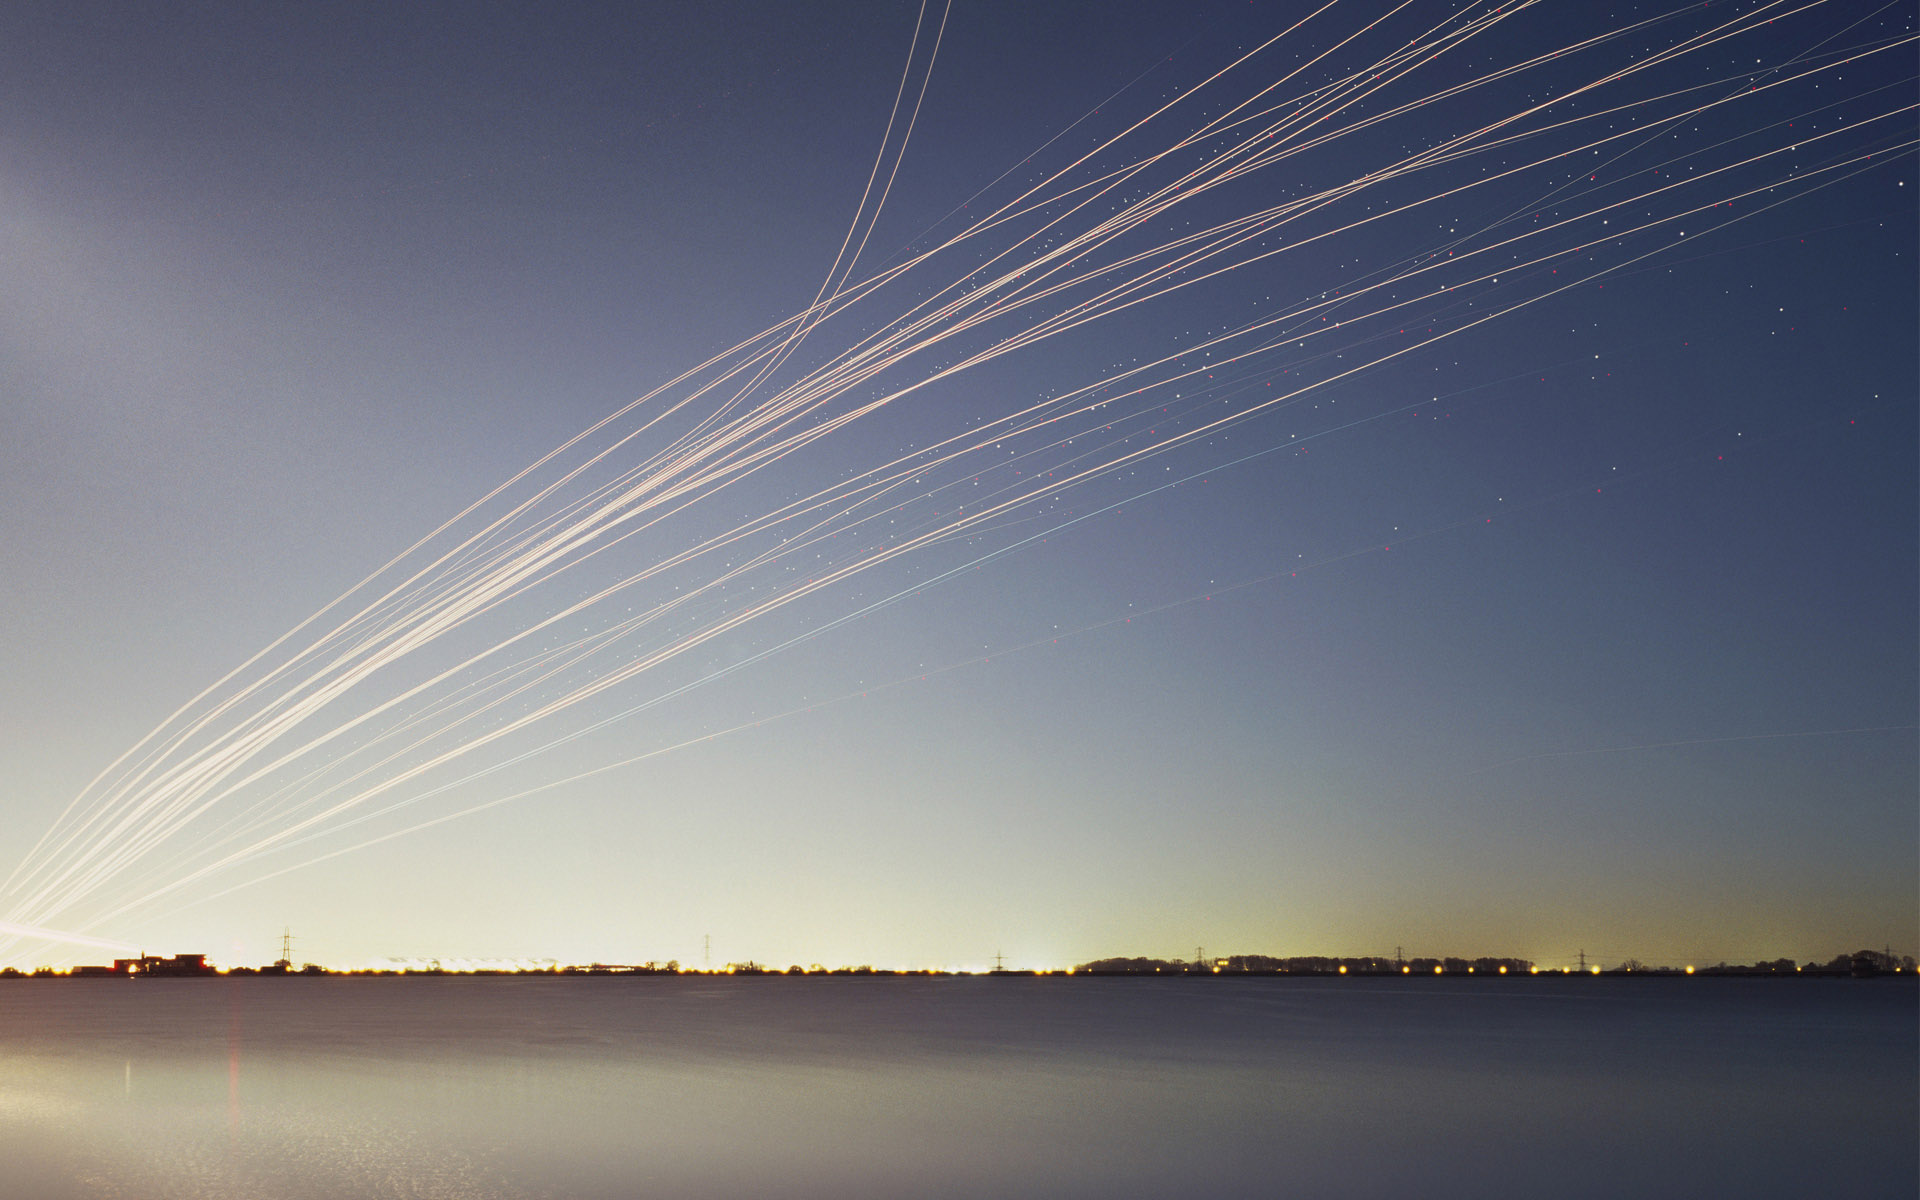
x,y
35,933
469,644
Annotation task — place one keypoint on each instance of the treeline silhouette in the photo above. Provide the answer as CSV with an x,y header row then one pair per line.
x,y
1262,964
1859,964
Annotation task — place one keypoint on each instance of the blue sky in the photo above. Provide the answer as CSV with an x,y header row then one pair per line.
x,y
1592,626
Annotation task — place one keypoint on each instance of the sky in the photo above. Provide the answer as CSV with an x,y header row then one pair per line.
x,y
1503,549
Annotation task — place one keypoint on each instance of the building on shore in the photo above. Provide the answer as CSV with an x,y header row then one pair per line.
x,y
180,966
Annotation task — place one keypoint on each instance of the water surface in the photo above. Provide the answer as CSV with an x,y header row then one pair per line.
x,y
789,1087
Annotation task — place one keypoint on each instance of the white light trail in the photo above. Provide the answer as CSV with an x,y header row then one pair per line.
x,y
595,579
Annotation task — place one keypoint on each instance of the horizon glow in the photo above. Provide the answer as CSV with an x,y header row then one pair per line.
x,y
1366,618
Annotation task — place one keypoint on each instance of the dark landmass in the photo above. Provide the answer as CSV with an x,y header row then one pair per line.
x,y
1858,965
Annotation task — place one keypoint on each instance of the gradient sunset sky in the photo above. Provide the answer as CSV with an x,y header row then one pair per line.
x,y
1590,628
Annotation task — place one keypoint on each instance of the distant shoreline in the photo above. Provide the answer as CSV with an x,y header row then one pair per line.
x,y
1857,965
1441,977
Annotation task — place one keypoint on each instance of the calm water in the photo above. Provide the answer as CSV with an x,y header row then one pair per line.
x,y
266,1088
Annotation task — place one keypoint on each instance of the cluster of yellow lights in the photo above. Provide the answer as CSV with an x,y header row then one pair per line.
x,y
730,968
458,965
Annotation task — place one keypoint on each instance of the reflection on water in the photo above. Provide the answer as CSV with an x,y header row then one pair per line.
x,y
470,1088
